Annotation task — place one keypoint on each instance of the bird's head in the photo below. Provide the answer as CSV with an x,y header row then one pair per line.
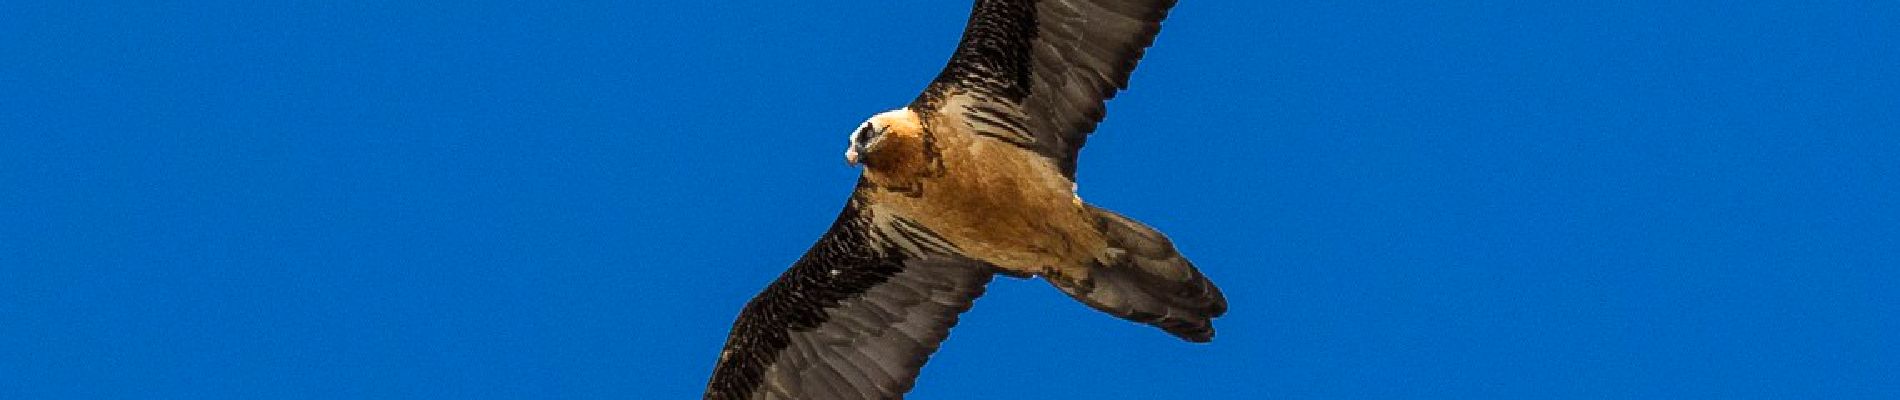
x,y
885,139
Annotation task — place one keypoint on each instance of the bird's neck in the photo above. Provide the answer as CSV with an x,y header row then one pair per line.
x,y
902,163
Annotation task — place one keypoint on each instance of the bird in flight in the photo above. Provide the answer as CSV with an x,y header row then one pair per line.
x,y
976,177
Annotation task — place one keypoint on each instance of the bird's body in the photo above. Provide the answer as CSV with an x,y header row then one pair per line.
x,y
974,178
1001,205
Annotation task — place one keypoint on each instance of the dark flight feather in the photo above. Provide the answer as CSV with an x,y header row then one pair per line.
x,y
855,318
860,313
1047,66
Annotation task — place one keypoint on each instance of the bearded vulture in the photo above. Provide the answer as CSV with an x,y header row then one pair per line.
x,y
976,177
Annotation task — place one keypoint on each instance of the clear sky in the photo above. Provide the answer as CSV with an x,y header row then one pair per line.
x,y
572,200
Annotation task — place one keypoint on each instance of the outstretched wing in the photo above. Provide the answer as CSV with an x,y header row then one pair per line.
x,y
855,318
1035,73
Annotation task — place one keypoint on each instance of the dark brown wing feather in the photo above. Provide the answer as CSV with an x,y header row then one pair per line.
x,y
1038,71
861,332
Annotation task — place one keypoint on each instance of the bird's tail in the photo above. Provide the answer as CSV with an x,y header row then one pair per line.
x,y
1143,279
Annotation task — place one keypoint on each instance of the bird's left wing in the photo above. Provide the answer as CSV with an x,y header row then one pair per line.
x,y
855,318
1035,73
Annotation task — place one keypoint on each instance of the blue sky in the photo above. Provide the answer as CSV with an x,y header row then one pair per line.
x,y
473,200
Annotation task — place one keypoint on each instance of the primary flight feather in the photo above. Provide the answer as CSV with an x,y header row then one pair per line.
x,y
974,178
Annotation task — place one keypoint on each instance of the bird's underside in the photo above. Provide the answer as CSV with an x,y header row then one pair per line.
x,y
974,178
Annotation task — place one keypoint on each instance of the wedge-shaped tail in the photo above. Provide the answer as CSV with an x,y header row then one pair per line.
x,y
1143,279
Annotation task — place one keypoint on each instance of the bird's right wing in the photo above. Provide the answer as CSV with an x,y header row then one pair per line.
x,y
855,318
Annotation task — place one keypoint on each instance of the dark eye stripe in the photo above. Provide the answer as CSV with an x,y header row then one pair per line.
x,y
866,133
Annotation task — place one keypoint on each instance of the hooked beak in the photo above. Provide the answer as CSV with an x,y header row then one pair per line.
x,y
851,156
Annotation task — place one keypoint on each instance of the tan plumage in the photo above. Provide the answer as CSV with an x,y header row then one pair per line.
x,y
973,178
1001,205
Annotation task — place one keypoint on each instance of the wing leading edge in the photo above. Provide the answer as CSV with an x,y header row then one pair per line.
x,y
855,318
1038,72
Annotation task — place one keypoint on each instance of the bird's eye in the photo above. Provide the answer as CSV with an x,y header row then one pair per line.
x,y
866,133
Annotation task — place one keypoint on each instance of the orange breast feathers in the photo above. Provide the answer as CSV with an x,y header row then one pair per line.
x,y
997,202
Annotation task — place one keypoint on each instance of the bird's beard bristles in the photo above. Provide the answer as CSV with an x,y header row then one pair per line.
x,y
899,157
